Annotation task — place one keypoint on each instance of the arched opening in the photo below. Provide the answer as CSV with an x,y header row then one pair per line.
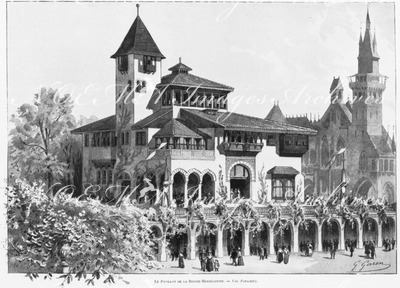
x,y
259,239
370,231
240,181
206,238
232,237
351,231
177,241
155,234
283,235
207,188
330,232
364,188
389,229
388,193
178,189
193,187
308,188
308,233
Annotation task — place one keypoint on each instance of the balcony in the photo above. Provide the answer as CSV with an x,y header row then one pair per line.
x,y
239,148
185,154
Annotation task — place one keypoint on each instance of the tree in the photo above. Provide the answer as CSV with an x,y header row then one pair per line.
x,y
35,140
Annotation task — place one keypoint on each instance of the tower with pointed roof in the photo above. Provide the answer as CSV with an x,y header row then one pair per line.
x,y
137,70
368,85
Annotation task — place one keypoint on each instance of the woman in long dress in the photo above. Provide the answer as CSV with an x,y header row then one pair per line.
x,y
210,263
240,258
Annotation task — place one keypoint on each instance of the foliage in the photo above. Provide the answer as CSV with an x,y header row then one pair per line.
x,y
35,140
91,237
263,191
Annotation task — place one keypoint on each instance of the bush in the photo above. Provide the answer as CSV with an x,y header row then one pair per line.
x,y
88,236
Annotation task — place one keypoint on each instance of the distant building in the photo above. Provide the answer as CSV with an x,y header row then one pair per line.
x,y
369,161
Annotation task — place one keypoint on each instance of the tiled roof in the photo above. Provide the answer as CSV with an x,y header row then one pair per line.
x,y
275,114
138,41
105,124
186,79
283,170
155,120
180,66
302,121
237,121
175,128
381,143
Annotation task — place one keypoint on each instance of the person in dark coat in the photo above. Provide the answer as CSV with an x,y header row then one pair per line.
x,y
276,248
393,243
261,253
240,258
234,256
351,248
332,248
372,247
203,262
181,262
210,263
265,252
216,265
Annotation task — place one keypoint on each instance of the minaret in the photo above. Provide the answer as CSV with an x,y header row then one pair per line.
x,y
368,85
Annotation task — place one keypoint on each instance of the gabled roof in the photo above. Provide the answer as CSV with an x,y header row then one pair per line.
x,y
186,79
155,120
275,114
235,121
105,124
138,41
381,143
175,128
283,170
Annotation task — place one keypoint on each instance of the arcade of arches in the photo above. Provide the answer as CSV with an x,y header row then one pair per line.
x,y
220,240
191,186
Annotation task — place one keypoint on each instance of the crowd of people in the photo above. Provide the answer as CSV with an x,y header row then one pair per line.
x,y
209,263
307,247
237,258
369,249
389,244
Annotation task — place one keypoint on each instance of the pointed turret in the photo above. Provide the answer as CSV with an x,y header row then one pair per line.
x,y
368,21
276,114
138,41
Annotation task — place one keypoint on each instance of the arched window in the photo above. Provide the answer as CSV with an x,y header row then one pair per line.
x,y
386,165
181,143
201,144
373,165
110,176
192,144
324,152
127,138
171,144
363,161
278,189
98,177
339,158
104,178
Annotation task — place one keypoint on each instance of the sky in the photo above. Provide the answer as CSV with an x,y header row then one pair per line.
x,y
286,52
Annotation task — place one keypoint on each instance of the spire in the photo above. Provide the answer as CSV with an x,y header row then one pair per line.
x,y
137,8
368,22
360,41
